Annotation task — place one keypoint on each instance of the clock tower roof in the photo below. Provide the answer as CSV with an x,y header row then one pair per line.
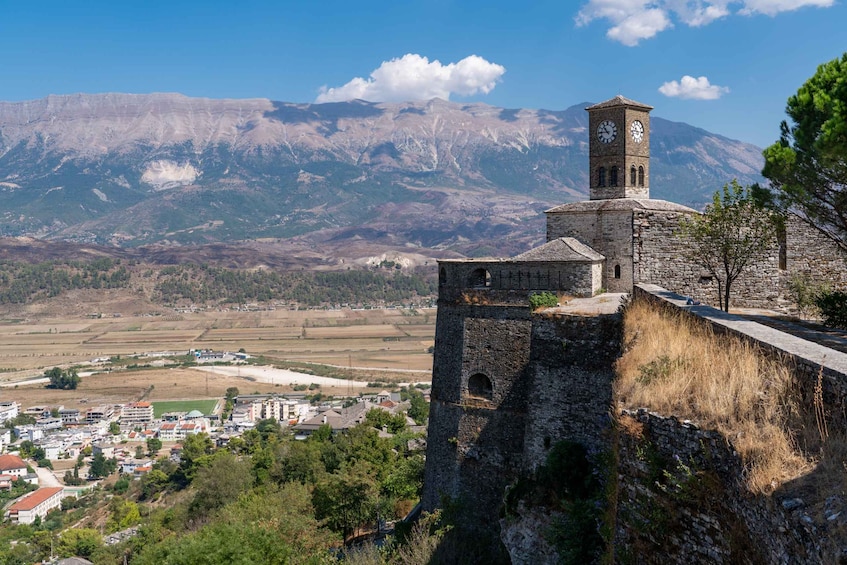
x,y
619,101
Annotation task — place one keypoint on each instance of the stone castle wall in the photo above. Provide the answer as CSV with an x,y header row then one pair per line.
x,y
681,499
576,278
608,233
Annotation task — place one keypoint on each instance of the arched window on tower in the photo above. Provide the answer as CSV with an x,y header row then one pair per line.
x,y
442,276
617,271
632,175
479,386
640,176
480,278
613,176
601,176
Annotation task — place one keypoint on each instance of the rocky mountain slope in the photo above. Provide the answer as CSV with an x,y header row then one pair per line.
x,y
164,168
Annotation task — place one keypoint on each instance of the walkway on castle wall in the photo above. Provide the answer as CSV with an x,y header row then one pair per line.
x,y
802,349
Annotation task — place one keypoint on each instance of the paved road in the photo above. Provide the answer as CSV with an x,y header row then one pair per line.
x,y
46,478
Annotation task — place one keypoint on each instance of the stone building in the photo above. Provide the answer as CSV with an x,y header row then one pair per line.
x,y
507,383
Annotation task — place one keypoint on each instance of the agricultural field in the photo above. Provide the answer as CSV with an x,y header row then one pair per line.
x,y
366,345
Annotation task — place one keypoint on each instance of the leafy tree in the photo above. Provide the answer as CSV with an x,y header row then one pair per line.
x,y
123,514
101,467
379,419
79,542
347,500
231,393
732,232
221,482
153,446
419,407
139,452
66,379
114,428
808,165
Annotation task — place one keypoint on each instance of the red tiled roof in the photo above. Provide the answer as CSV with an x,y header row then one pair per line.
x,y
139,404
36,498
9,461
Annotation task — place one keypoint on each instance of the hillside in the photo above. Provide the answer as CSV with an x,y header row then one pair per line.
x,y
124,169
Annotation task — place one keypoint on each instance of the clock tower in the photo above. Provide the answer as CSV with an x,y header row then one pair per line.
x,y
619,149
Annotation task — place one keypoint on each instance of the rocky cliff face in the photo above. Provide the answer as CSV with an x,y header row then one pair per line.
x,y
133,169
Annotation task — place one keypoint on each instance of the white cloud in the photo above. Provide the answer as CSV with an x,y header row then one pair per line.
x,y
693,88
630,21
773,7
413,77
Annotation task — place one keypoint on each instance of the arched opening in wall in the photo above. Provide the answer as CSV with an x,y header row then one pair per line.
x,y
480,278
632,175
640,176
617,271
442,276
613,176
601,176
783,246
479,386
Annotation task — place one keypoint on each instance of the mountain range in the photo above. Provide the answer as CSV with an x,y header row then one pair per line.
x,y
133,170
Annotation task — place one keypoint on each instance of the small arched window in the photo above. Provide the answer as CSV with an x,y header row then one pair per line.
x,y
480,278
442,276
617,271
479,386
613,176
601,176
640,176
632,175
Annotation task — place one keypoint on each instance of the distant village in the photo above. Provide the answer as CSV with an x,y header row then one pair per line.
x,y
123,435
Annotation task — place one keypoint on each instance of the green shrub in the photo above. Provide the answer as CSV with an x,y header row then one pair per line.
x,y
833,307
543,300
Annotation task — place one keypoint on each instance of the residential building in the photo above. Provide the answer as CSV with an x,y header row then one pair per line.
x,y
11,464
9,410
31,433
107,449
70,416
167,431
36,504
5,439
137,413
97,414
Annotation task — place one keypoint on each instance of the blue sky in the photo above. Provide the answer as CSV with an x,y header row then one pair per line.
x,y
532,54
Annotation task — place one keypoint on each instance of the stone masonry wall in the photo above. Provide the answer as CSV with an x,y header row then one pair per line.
x,y
571,373
577,278
608,233
681,500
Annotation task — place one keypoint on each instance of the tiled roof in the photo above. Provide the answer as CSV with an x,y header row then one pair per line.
x,y
561,249
619,101
620,204
9,461
36,498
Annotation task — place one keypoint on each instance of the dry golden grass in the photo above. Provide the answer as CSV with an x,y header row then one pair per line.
x,y
674,365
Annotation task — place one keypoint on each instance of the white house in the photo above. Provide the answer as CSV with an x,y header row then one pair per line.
x,y
9,410
11,464
36,504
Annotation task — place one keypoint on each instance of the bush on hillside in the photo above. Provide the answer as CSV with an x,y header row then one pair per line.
x,y
833,307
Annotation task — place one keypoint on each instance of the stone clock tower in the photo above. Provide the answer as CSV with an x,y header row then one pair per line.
x,y
619,149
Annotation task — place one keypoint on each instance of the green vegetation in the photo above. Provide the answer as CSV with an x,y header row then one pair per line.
x,y
833,308
206,284
731,234
66,379
23,282
264,498
808,165
542,300
204,406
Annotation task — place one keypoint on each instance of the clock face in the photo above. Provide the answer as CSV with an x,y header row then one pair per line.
x,y
636,130
607,131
